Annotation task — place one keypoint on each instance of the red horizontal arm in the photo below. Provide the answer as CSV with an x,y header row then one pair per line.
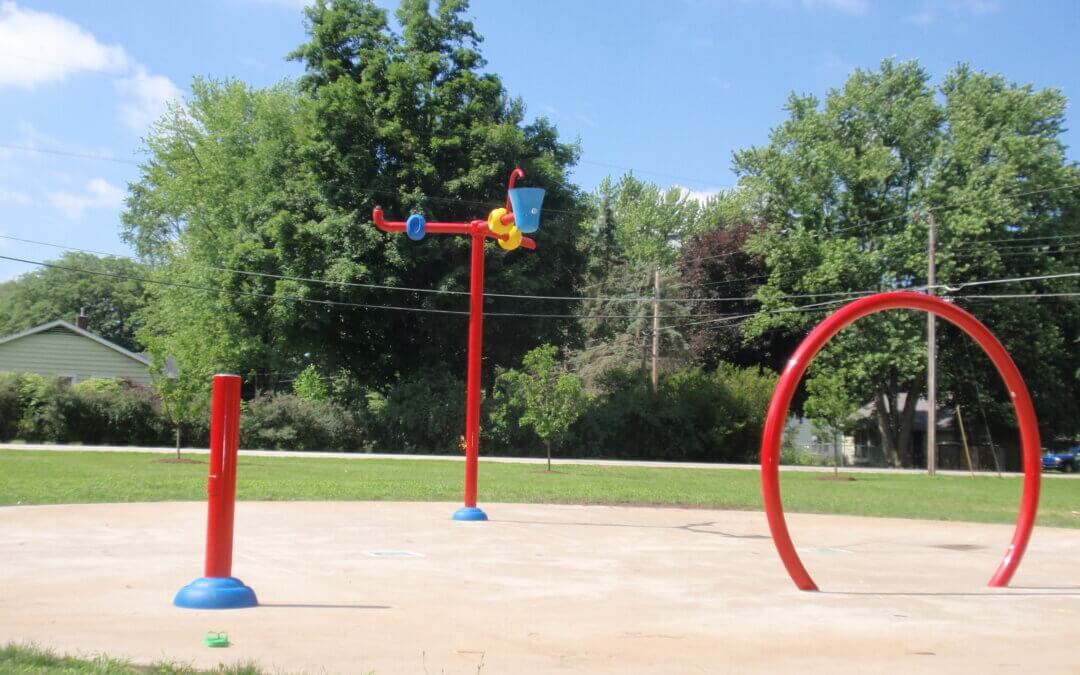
x,y
445,228
430,227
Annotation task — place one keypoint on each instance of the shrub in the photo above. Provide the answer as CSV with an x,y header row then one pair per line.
x,y
10,407
424,412
693,415
288,422
114,412
98,411
45,404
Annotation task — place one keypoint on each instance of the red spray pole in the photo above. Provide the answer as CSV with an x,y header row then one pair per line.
x,y
472,391
218,589
503,226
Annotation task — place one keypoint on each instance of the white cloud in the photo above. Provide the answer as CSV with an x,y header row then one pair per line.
x,y
99,194
848,6
585,119
9,196
700,196
37,48
40,48
150,93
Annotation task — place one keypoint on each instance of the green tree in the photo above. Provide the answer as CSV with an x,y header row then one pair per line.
x,y
830,406
637,229
111,295
652,223
309,386
412,122
281,181
187,347
839,183
551,398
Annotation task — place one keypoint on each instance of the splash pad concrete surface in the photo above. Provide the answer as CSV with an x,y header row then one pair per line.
x,y
392,587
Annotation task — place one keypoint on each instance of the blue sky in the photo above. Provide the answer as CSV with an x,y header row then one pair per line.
x,y
668,89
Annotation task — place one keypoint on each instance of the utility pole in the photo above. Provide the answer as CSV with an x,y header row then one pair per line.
x,y
931,355
656,328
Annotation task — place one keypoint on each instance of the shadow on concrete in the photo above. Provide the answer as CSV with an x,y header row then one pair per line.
x,y
1016,592
291,605
689,527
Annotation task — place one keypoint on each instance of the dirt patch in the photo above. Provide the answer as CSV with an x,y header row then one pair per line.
x,y
842,479
178,460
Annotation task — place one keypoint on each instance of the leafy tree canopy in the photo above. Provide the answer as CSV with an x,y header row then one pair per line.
x,y
111,297
839,182
281,181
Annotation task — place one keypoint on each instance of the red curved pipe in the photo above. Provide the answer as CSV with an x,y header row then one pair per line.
x,y
776,421
514,175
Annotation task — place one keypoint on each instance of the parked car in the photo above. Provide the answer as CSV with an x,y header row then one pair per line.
x,y
1065,460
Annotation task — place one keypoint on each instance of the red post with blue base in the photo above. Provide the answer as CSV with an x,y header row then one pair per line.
x,y
218,589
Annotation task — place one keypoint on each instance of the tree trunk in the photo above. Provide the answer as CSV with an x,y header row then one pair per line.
x,y
888,439
895,426
549,455
907,420
178,441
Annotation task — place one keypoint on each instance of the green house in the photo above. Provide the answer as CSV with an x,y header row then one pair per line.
x,y
71,353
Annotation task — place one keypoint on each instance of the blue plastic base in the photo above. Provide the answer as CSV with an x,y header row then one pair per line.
x,y
469,513
215,593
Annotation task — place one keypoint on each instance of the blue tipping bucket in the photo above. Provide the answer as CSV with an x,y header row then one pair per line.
x,y
526,204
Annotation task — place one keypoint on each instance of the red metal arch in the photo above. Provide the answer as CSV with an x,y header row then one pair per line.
x,y
796,367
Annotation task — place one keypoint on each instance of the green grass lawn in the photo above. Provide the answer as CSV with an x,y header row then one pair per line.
x,y
84,477
30,659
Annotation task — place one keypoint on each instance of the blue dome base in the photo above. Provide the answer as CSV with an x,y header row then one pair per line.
x,y
215,593
469,513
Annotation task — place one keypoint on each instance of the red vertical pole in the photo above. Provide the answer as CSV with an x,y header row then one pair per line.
x,y
476,335
221,486
218,589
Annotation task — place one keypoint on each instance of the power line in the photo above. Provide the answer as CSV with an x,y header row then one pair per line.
x,y
1018,296
225,291
945,287
937,209
335,303
1010,240
987,282
517,296
65,153
786,310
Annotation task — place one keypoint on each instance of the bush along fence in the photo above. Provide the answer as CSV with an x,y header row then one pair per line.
x,y
693,415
